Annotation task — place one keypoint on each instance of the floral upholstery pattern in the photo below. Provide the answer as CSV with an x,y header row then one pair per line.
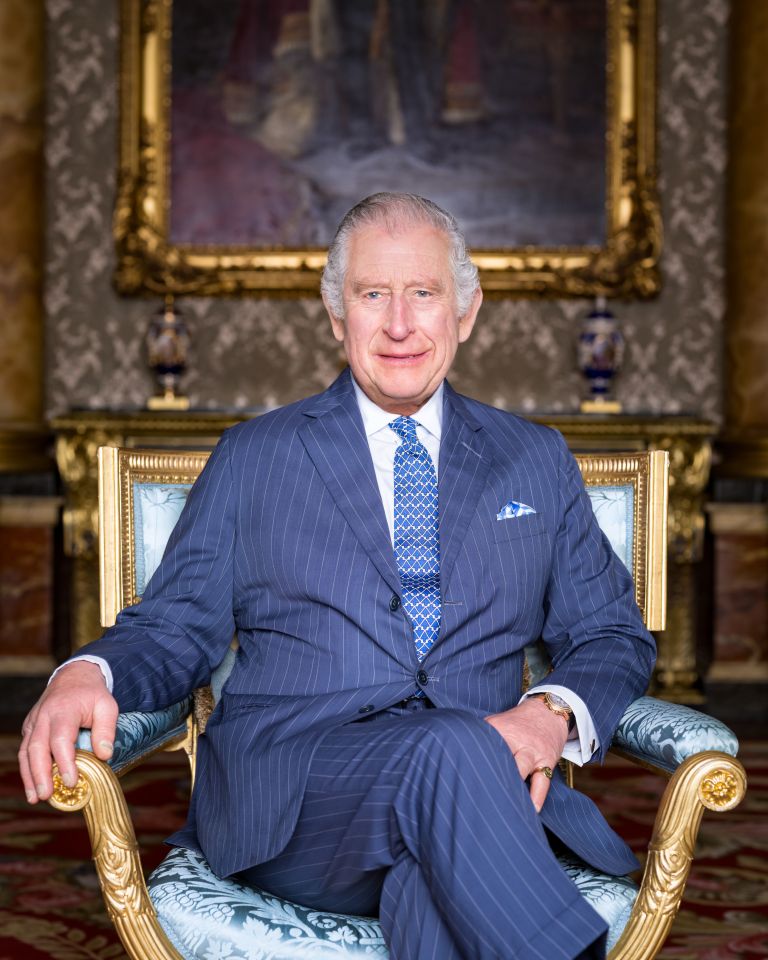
x,y
210,919
207,918
611,897
665,734
614,509
156,510
142,733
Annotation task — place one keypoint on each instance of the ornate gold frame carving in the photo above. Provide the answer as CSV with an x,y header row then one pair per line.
x,y
647,473
118,471
626,265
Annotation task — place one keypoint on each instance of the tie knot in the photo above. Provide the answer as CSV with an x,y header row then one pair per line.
x,y
405,428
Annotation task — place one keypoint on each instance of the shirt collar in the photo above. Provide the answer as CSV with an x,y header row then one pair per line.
x,y
430,416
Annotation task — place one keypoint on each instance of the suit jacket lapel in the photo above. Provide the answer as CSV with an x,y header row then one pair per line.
x,y
465,459
334,438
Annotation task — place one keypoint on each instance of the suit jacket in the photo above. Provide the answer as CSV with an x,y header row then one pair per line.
x,y
284,540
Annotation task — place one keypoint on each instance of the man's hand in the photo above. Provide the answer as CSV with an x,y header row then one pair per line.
x,y
536,736
76,697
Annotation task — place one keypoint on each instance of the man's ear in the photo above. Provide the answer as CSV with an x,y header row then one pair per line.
x,y
337,323
467,322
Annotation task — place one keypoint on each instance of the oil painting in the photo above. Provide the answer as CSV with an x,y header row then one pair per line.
x,y
253,125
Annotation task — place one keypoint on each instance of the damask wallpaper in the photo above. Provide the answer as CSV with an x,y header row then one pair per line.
x,y
260,352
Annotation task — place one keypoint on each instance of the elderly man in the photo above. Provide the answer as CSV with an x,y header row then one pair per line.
x,y
385,551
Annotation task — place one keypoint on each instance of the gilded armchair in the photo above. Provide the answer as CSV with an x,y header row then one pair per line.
x,y
183,911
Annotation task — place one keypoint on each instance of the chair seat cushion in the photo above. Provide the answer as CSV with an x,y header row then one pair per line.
x,y
611,897
206,917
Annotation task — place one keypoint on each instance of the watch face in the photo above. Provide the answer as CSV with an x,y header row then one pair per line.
x,y
559,702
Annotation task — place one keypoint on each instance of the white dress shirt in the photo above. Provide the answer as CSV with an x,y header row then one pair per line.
x,y
383,442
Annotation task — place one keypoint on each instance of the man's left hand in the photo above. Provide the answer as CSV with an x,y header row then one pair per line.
x,y
536,736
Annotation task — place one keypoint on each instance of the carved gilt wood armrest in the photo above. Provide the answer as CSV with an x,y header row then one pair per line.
x,y
697,754
115,852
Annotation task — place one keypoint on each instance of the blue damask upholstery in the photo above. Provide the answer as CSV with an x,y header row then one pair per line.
x,y
664,734
614,506
139,734
156,510
205,917
611,897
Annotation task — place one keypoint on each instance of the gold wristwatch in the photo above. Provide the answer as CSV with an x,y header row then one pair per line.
x,y
557,705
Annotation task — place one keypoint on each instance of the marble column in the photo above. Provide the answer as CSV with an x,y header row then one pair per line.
x,y
737,677
745,447
21,235
29,515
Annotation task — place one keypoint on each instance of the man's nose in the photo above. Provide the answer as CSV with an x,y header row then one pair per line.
x,y
399,321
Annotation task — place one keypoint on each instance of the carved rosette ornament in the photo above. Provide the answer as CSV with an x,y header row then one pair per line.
x,y
69,798
720,791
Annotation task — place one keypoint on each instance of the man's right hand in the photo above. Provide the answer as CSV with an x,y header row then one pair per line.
x,y
76,697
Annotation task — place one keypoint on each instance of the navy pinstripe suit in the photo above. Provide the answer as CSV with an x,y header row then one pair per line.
x,y
284,539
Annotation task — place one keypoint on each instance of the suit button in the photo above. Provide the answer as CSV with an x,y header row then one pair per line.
x,y
422,677
366,709
394,604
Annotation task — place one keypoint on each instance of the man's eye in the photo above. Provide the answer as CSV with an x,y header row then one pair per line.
x,y
423,294
373,295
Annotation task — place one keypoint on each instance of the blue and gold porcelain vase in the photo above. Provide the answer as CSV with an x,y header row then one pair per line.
x,y
167,344
600,351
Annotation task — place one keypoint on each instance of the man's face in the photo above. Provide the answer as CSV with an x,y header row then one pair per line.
x,y
400,329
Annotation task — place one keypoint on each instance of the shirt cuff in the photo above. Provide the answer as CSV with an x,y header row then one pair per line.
x,y
106,670
582,741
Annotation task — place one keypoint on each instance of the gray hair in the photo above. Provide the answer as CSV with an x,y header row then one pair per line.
x,y
394,211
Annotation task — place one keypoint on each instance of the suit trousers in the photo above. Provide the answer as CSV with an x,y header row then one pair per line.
x,y
420,816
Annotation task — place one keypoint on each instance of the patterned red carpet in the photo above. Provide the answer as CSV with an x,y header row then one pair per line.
x,y
50,905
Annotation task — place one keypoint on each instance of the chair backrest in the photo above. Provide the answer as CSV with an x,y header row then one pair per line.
x,y
629,493
142,492
141,495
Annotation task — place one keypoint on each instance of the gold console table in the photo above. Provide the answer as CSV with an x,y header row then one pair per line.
x,y
688,440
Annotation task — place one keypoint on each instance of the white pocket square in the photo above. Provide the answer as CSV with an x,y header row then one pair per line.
x,y
512,509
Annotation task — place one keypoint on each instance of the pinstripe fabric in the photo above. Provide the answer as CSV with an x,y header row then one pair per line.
x,y
422,818
284,538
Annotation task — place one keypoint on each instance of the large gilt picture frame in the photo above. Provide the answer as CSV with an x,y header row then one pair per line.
x,y
244,134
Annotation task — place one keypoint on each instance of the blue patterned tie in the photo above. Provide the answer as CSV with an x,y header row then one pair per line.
x,y
417,547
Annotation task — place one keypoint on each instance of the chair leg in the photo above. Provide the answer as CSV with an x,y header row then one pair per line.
x,y
710,780
115,852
